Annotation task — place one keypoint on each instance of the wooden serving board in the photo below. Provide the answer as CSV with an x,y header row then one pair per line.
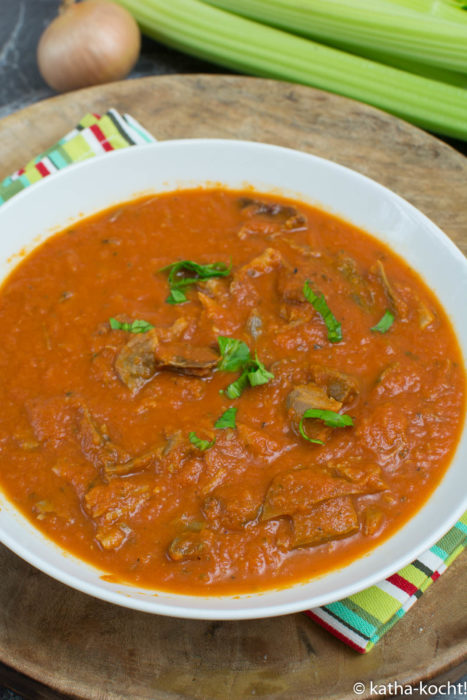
x,y
84,648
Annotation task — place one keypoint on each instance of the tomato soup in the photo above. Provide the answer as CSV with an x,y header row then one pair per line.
x,y
220,392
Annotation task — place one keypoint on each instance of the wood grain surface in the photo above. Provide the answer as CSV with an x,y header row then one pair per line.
x,y
84,648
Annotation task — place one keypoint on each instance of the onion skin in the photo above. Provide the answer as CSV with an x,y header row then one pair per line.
x,y
89,43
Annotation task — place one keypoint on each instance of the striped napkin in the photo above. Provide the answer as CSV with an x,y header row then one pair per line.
x,y
361,619
94,136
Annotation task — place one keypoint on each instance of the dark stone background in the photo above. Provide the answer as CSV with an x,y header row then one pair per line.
x,y
21,24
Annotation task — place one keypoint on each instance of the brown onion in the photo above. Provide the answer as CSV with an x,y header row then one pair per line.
x,y
89,43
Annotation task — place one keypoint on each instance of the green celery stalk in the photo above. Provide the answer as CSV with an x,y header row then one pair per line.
x,y
452,10
388,26
251,47
432,72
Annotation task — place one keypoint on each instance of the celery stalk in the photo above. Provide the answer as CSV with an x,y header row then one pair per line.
x,y
251,47
452,10
395,27
405,64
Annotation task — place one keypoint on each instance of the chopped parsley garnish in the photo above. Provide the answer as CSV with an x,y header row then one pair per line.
x,y
137,326
186,272
257,372
176,296
329,418
385,322
199,443
319,304
236,389
235,355
227,419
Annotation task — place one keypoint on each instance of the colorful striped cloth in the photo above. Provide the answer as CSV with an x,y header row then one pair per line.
x,y
361,619
94,136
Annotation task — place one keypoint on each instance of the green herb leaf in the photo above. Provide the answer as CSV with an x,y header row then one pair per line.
x,y
179,276
176,270
235,354
258,374
329,418
227,419
199,443
176,296
304,435
137,326
319,303
385,322
237,387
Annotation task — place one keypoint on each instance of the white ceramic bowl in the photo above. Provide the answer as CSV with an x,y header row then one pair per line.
x,y
84,189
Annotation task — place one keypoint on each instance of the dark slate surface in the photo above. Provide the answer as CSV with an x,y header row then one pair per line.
x,y
21,24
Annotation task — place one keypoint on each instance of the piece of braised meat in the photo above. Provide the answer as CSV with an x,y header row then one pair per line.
x,y
145,354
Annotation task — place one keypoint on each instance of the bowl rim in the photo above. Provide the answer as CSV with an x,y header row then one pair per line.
x,y
153,605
